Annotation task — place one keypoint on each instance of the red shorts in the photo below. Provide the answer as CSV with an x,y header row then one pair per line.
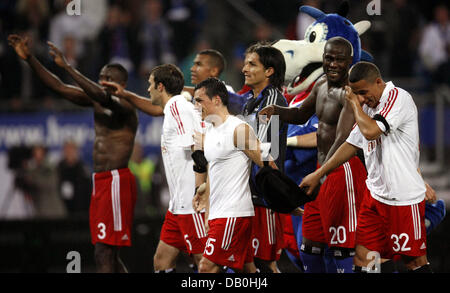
x,y
267,234
332,217
185,232
228,242
392,230
112,207
290,240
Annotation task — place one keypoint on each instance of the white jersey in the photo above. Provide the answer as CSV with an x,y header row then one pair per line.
x,y
180,121
392,160
229,171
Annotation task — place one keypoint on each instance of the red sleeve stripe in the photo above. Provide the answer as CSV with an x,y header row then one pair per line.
x,y
354,125
179,118
387,103
391,101
176,115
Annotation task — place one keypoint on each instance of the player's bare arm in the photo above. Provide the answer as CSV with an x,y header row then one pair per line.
x,y
368,126
201,197
344,126
342,155
294,115
91,88
308,140
69,92
141,103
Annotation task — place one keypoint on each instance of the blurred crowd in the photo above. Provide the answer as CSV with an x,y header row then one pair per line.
x,y
410,39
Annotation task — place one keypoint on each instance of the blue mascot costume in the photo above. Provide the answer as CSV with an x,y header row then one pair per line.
x,y
303,67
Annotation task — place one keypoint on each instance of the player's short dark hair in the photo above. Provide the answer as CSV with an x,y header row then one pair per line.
x,y
170,76
341,42
364,71
214,87
122,71
216,59
270,57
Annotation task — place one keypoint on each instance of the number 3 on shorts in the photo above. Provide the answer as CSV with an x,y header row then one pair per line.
x,y
101,228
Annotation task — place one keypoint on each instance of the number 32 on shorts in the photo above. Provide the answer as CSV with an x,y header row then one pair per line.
x,y
400,242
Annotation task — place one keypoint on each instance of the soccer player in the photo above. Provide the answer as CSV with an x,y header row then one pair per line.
x,y
114,193
331,219
264,69
208,63
183,229
211,63
391,219
230,145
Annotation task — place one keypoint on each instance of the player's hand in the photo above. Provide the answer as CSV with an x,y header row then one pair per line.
x,y
265,114
115,88
206,226
57,55
430,194
198,140
20,45
199,201
352,97
310,182
298,212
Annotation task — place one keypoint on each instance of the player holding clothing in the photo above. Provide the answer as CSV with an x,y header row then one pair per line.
x,y
263,70
230,146
391,219
183,228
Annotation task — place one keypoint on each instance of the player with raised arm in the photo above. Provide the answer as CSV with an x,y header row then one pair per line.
x,y
183,229
115,120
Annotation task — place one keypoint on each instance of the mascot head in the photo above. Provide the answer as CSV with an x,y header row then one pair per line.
x,y
304,58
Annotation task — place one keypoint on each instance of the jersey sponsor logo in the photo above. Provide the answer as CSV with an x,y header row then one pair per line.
x,y
125,237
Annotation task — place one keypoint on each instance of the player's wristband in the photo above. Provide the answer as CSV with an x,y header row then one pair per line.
x,y
380,118
199,169
291,141
199,158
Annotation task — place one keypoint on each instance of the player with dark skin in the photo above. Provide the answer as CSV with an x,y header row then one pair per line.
x,y
115,123
327,101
